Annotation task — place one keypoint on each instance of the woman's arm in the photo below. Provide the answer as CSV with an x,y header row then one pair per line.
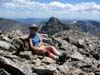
x,y
24,37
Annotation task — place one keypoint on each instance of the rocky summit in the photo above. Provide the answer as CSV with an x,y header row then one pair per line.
x,y
82,55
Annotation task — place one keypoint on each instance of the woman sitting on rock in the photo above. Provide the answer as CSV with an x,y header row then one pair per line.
x,y
35,43
36,46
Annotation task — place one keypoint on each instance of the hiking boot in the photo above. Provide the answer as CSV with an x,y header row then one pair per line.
x,y
62,59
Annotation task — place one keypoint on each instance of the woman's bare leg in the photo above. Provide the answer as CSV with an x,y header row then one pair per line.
x,y
54,50
53,56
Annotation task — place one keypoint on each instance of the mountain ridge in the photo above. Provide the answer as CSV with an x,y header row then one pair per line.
x,y
92,27
8,25
52,25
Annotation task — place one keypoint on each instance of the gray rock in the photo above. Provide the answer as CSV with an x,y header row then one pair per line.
x,y
45,70
81,41
4,72
5,38
58,73
37,62
87,70
78,72
85,63
7,46
77,56
83,51
26,54
46,39
15,68
64,69
91,73
34,74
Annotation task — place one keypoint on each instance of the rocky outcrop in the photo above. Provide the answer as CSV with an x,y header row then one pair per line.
x,y
81,48
52,26
15,67
82,55
4,72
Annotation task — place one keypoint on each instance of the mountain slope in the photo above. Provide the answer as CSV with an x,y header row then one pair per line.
x,y
7,25
91,27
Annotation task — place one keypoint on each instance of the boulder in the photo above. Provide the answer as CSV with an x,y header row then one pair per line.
x,y
77,56
45,70
26,54
7,46
64,69
3,72
5,38
15,68
37,62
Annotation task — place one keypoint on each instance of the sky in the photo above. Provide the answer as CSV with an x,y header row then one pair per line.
x,y
64,9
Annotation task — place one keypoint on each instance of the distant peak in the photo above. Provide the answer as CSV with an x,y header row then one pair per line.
x,y
54,19
1,19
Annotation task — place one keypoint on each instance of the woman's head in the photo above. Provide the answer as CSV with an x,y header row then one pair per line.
x,y
33,28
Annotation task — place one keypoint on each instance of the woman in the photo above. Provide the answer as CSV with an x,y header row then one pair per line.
x,y
36,46
35,43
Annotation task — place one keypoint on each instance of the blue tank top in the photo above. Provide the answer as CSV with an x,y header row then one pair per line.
x,y
35,40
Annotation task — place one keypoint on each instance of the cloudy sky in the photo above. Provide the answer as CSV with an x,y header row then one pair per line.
x,y
65,9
